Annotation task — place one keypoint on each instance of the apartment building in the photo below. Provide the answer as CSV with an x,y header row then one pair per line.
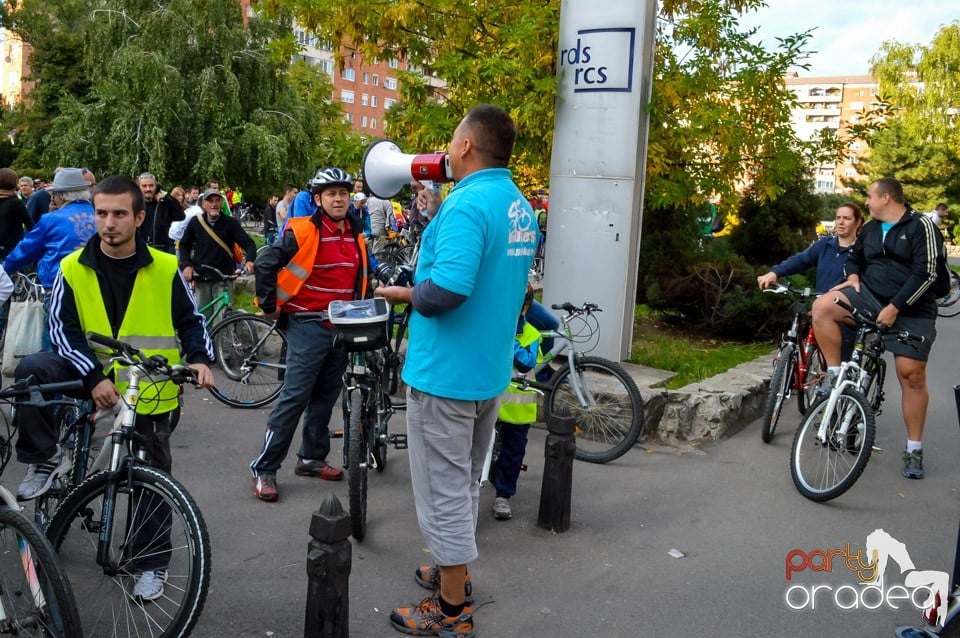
x,y
14,66
833,103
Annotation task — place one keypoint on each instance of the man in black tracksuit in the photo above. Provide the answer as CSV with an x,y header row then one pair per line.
x,y
890,273
162,210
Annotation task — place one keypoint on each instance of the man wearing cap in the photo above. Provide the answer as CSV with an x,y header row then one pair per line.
x,y
162,210
207,247
56,234
360,210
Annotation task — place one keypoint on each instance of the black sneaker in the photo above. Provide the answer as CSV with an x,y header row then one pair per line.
x,y
913,464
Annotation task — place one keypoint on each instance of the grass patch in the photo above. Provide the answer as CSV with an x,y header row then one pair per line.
x,y
243,300
659,345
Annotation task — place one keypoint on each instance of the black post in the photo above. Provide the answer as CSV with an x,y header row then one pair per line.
x,y
328,572
557,486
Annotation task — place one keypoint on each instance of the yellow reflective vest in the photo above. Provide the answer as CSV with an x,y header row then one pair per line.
x,y
147,324
520,406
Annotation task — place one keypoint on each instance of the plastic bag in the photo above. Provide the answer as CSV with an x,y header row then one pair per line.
x,y
24,333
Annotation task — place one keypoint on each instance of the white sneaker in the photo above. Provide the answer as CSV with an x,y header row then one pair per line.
x,y
501,509
40,476
149,585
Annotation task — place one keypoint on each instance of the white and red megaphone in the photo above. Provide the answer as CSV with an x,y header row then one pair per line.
x,y
386,169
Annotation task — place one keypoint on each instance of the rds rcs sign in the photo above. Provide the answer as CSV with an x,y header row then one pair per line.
x,y
600,60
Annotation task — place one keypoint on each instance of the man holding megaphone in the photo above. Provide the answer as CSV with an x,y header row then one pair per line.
x,y
470,281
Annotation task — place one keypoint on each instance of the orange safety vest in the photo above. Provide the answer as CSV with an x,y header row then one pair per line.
x,y
292,276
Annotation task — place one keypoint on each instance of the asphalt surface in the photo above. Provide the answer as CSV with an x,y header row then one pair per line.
x,y
730,508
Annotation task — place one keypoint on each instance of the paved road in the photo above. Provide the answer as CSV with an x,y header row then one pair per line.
x,y
731,509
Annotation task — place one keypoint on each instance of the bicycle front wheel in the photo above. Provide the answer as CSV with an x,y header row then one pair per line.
x,y
947,306
251,361
823,470
357,467
606,404
781,381
35,596
156,527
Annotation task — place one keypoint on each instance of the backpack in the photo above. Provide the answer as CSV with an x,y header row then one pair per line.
x,y
941,285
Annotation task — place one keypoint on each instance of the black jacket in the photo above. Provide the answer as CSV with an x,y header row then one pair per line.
x,y
68,335
901,268
156,226
13,220
198,248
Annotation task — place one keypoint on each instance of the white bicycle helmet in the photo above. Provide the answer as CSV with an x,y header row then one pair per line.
x,y
332,176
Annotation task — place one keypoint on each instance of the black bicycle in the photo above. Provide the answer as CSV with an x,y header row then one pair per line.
x,y
947,306
361,328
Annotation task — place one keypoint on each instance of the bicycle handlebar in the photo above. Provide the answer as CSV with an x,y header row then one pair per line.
x,y
780,289
28,387
131,355
568,307
866,320
215,270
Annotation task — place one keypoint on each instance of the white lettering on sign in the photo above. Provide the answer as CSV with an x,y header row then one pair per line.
x,y
601,60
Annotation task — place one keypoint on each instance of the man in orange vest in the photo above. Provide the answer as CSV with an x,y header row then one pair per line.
x,y
319,259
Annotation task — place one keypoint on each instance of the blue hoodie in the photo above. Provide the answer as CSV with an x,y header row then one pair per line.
x,y
56,235
828,257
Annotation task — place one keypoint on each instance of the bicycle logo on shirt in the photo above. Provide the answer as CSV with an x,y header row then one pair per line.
x,y
523,230
924,589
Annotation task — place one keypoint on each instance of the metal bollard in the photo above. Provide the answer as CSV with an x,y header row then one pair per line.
x,y
557,488
328,572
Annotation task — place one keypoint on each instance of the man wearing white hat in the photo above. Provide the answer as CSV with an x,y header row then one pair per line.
x,y
56,234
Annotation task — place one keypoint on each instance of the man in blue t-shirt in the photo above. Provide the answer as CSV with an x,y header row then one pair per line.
x,y
469,286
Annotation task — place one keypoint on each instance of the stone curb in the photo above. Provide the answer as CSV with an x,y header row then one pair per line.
x,y
709,409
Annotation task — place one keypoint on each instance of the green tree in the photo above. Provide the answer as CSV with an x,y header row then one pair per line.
x,y
184,88
919,142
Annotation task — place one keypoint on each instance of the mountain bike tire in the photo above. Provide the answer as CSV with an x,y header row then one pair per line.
x,y
357,467
610,416
822,472
250,361
947,306
35,594
816,369
784,370
104,595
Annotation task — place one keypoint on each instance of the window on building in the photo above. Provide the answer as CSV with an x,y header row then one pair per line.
x,y
816,91
833,90
855,146
327,66
347,97
348,117
363,122
366,78
387,103
856,106
373,123
365,99
390,83
375,80
373,101
394,63
850,172
348,74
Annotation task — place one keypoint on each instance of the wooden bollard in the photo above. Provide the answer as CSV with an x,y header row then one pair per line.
x,y
557,488
329,556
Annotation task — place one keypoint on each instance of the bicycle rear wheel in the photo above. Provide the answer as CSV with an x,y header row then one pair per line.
x,y
35,596
156,526
824,471
357,467
251,361
947,306
608,410
784,369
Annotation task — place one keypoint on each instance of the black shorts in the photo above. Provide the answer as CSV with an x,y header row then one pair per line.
x,y
865,302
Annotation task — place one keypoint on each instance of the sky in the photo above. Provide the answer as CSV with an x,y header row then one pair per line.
x,y
849,32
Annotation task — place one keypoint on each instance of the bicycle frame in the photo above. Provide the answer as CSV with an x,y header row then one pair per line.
x,y
563,341
357,378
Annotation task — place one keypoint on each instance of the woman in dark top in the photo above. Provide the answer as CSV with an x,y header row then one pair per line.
x,y
13,213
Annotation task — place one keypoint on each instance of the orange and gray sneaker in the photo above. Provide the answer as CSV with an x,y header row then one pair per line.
x,y
428,577
426,619
319,469
265,487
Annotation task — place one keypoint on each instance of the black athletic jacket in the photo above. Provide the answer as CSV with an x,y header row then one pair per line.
x,y
901,268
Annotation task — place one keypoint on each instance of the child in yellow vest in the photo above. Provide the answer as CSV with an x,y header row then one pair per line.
x,y
518,409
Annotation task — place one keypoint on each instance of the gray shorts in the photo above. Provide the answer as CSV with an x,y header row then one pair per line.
x,y
865,302
448,441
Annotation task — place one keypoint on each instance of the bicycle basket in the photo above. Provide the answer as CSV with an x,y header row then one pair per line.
x,y
361,324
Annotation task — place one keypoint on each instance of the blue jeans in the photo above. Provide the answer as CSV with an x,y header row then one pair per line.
x,y
45,344
513,445
311,387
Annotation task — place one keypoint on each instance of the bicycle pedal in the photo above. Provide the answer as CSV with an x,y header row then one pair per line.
x,y
523,467
399,441
336,434
877,450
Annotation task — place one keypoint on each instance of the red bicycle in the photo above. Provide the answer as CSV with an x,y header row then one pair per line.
x,y
798,367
